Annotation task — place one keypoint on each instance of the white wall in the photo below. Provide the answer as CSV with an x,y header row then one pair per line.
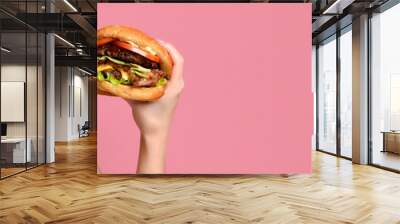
x,y
80,84
70,83
62,78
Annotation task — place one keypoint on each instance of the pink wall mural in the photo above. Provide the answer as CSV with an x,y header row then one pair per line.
x,y
247,105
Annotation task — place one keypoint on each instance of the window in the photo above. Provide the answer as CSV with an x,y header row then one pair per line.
x,y
385,89
327,95
346,92
314,89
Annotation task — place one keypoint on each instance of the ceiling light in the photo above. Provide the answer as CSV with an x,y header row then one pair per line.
x,y
5,50
79,51
337,7
64,40
326,11
84,71
70,5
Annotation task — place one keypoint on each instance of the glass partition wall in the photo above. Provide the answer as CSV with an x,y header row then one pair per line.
x,y
22,77
334,93
13,90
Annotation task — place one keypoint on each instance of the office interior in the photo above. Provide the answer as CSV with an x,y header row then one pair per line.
x,y
48,107
48,87
369,76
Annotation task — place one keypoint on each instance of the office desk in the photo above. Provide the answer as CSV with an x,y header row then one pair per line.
x,y
15,148
391,141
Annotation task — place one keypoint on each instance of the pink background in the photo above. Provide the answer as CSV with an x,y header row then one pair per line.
x,y
247,105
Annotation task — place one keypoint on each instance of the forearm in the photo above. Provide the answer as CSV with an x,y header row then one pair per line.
x,y
154,118
152,153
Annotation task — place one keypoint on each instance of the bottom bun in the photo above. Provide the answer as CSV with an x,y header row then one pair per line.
x,y
130,93
103,93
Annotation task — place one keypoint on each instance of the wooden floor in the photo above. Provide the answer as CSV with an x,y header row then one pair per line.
x,y
70,191
10,171
387,159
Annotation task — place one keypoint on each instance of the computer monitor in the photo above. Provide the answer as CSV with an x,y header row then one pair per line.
x,y
3,129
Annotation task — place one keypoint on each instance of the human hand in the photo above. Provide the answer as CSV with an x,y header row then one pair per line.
x,y
154,118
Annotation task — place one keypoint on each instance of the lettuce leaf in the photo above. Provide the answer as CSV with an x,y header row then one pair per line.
x,y
143,73
125,82
110,78
100,76
113,80
162,82
135,68
116,61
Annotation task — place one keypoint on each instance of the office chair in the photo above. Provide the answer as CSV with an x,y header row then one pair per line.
x,y
84,130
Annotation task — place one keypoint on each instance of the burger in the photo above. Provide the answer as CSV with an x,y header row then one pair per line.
x,y
131,64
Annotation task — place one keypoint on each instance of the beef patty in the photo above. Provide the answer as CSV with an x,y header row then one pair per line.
x,y
125,55
153,76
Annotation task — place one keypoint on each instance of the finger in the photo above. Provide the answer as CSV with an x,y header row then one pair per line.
x,y
132,103
176,55
129,102
178,61
161,41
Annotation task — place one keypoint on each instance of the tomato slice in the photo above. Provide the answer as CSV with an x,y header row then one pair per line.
x,y
132,47
104,40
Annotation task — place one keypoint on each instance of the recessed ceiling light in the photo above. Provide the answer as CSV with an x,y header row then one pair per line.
x,y
5,50
70,5
84,71
64,40
337,7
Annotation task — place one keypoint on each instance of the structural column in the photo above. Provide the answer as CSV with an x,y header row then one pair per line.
x,y
360,89
50,92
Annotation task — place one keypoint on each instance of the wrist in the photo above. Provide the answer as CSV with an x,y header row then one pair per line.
x,y
152,152
151,137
